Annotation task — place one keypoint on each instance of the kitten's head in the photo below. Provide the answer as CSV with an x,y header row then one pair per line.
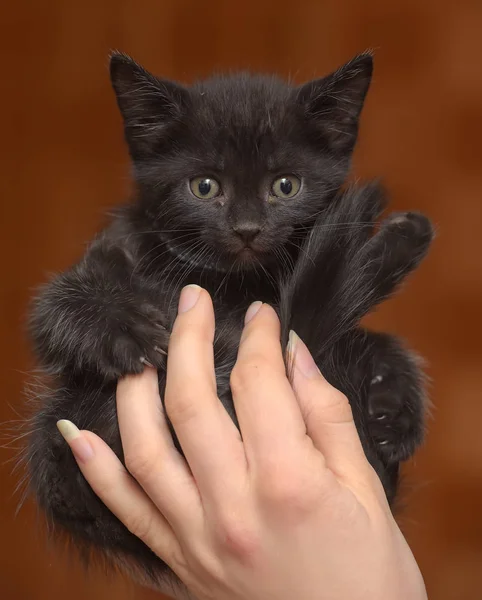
x,y
229,167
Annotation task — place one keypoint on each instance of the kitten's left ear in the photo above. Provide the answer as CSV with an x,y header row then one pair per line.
x,y
148,105
333,104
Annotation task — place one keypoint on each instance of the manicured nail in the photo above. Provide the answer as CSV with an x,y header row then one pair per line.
x,y
78,444
189,296
252,310
301,357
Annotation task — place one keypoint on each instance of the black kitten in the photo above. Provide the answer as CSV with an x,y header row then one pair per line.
x,y
237,189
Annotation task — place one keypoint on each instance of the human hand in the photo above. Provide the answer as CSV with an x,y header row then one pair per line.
x,y
290,510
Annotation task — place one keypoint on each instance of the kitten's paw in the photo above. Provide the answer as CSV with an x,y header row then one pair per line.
x,y
395,418
410,231
137,339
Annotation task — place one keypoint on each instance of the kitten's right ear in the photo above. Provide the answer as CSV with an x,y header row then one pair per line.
x,y
148,104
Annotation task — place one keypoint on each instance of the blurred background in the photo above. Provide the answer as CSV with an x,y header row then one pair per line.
x,y
64,163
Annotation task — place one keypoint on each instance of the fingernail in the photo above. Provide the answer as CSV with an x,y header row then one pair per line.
x,y
252,310
78,444
301,357
189,296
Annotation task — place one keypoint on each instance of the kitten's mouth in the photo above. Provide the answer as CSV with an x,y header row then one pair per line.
x,y
208,259
250,259
247,254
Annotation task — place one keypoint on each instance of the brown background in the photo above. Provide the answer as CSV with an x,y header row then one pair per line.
x,y
63,162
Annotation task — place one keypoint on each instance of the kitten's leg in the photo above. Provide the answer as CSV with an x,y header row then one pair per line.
x,y
396,400
396,403
394,251
60,489
381,263
100,316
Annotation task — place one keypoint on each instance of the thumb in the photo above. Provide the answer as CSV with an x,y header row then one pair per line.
x,y
327,414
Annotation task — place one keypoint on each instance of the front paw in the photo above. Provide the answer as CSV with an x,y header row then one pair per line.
x,y
135,338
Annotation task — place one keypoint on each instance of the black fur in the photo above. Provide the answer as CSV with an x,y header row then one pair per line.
x,y
318,258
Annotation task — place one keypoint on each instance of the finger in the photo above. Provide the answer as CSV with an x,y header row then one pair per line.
x,y
120,493
268,413
326,412
150,454
209,439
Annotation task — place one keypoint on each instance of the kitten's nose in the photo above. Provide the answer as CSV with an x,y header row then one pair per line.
x,y
247,231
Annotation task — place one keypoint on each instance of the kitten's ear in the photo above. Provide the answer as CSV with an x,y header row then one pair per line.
x,y
333,104
148,104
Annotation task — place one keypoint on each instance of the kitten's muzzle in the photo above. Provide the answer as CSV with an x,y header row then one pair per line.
x,y
247,232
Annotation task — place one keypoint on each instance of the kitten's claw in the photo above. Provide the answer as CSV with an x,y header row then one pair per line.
x,y
395,421
138,343
144,361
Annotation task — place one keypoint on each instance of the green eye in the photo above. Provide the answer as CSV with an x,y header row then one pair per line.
x,y
205,188
286,187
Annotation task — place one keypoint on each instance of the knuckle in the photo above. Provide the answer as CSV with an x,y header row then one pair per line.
x,y
237,381
181,407
247,371
140,463
292,494
341,407
139,525
105,488
335,408
238,538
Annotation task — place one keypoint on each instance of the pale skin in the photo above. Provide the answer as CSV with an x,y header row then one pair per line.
x,y
290,509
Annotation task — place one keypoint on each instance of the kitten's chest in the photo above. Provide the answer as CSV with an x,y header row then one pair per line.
x,y
230,292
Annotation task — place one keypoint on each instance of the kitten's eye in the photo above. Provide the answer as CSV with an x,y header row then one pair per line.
x,y
205,188
286,187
